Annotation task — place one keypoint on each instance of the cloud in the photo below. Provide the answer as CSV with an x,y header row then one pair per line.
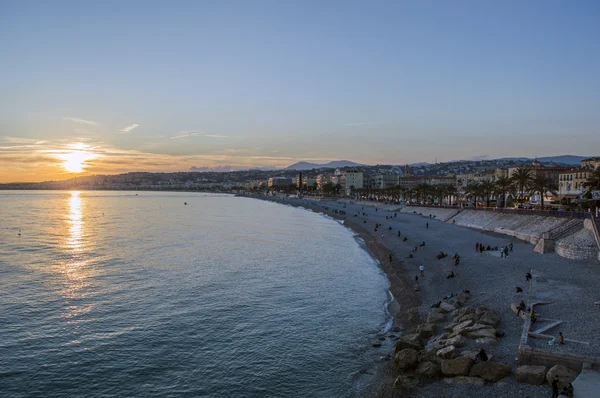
x,y
191,133
20,140
81,121
129,128
359,124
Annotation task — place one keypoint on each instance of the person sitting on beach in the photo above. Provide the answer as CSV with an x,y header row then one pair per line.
x,y
436,305
422,244
481,356
457,261
389,228
518,289
533,316
405,239
410,255
488,248
568,391
417,287
527,276
521,308
414,249
451,275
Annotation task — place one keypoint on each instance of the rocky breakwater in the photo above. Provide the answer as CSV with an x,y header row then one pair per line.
x,y
447,346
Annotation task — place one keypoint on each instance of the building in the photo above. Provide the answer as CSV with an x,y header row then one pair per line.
x,y
280,182
323,179
591,163
570,183
352,179
384,180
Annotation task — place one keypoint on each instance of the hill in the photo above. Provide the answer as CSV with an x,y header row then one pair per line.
x,y
333,165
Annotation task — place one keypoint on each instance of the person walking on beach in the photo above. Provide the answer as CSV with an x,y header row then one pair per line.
x,y
502,251
477,246
427,226
561,338
390,258
510,246
422,270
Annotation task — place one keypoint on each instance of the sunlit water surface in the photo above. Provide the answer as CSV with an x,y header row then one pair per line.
x,y
115,294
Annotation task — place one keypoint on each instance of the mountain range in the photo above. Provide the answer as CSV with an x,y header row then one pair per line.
x,y
331,165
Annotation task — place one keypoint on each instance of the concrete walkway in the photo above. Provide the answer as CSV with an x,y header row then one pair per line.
x,y
587,384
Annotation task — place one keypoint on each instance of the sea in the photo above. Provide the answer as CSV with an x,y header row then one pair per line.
x,y
125,294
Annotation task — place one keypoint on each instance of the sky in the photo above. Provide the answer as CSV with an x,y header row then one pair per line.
x,y
110,87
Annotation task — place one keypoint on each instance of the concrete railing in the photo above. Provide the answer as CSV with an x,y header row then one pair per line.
x,y
595,230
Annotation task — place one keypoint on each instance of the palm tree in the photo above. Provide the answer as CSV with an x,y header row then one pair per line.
x,y
522,177
487,189
473,189
503,185
593,181
543,185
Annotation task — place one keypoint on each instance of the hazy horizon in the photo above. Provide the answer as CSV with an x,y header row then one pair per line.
x,y
106,88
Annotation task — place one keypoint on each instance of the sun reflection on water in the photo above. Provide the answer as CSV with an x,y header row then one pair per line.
x,y
75,237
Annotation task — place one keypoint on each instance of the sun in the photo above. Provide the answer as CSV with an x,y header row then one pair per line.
x,y
74,159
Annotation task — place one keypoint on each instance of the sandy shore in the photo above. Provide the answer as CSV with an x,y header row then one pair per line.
x,y
490,278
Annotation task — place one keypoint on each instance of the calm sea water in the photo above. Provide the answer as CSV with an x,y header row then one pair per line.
x,y
114,294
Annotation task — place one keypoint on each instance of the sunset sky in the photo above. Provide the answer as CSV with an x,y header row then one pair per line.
x,y
112,86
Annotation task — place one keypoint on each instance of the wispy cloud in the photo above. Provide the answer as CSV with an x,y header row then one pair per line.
x,y
186,134
81,121
129,128
20,140
359,124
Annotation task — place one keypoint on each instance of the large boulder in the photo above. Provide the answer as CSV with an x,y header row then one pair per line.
x,y
426,330
406,359
565,375
428,355
445,308
531,374
490,371
482,334
413,341
476,381
489,318
461,326
406,381
447,352
436,317
428,369
457,341
457,367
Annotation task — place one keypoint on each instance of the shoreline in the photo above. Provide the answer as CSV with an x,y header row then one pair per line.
x,y
490,279
405,303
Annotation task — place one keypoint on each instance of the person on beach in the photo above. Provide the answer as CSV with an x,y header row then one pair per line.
x,y
555,387
481,356
527,277
422,270
568,391
422,244
477,246
561,338
456,261
426,225
417,278
502,251
398,233
405,239
417,287
510,246
436,305
451,275
410,255
521,308
390,258
533,316
506,252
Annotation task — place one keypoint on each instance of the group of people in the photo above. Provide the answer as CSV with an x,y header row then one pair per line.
x,y
480,247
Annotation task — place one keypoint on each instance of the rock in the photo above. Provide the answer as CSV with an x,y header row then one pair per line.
x,y
426,330
406,381
376,345
469,354
565,375
436,317
427,355
428,369
490,318
408,341
406,359
490,371
447,352
477,326
457,367
499,333
482,333
458,341
464,312
479,311
450,326
476,381
531,374
487,341
461,326
445,308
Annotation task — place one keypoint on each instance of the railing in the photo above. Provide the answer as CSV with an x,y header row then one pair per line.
x,y
595,228
546,213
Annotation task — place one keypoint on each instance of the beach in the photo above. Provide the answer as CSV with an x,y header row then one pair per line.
x,y
490,278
